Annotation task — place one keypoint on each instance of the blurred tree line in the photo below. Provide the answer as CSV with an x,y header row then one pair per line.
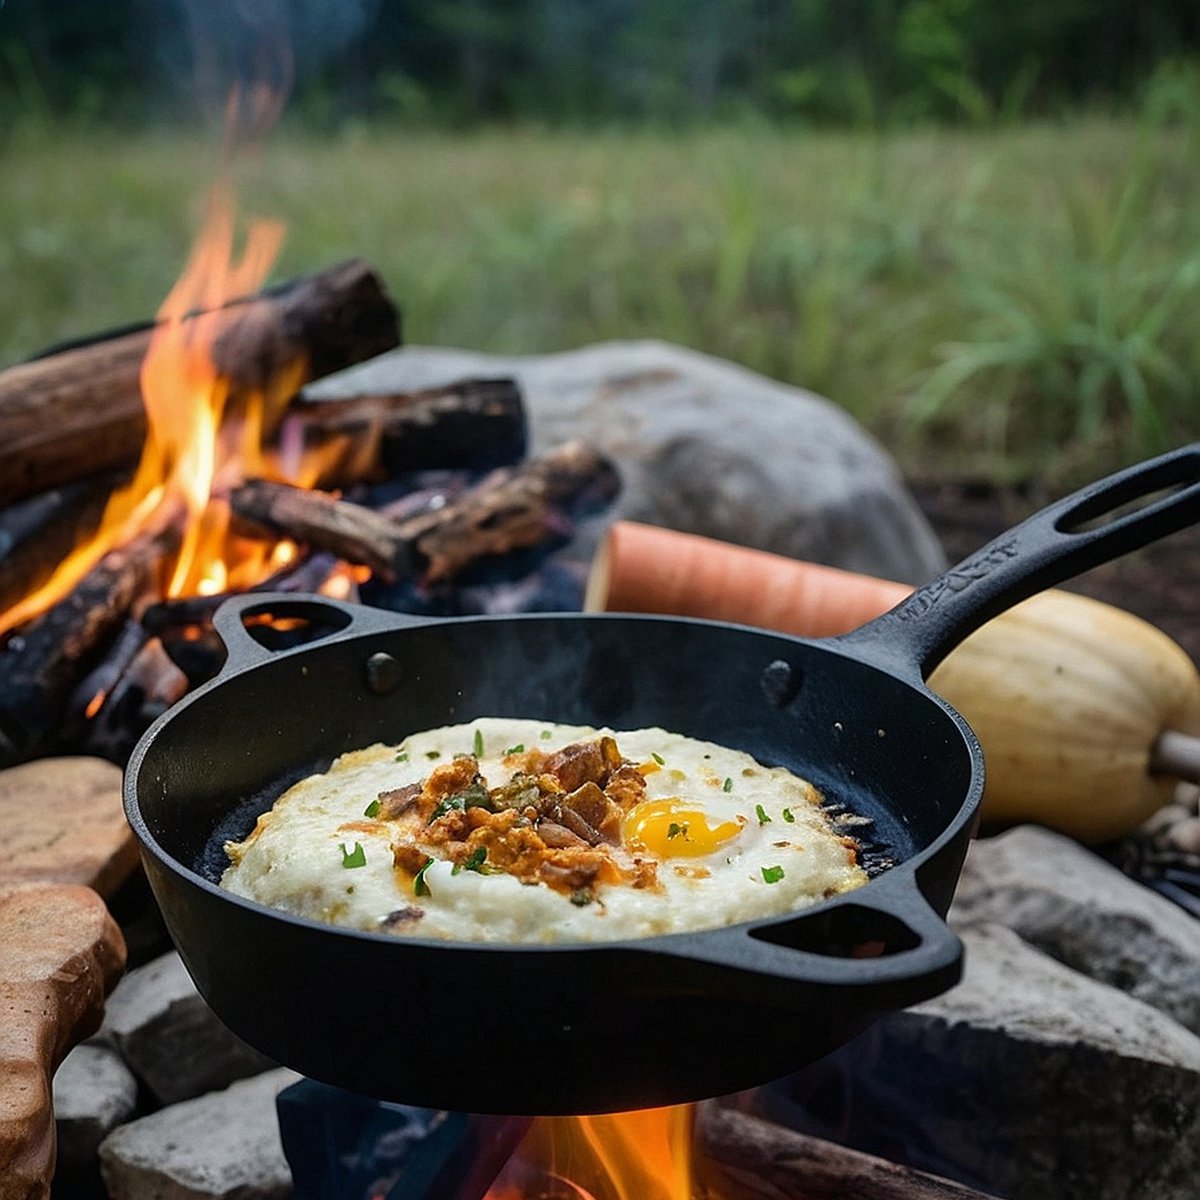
x,y
466,61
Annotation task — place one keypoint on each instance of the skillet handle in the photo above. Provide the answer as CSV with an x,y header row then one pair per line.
x,y
893,945
329,617
1064,539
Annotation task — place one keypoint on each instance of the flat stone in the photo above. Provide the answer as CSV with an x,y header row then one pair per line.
x,y
171,1039
222,1146
61,820
1028,1080
1079,909
94,1091
60,952
702,445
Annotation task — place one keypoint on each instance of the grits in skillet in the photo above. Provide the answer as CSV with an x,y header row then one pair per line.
x,y
520,831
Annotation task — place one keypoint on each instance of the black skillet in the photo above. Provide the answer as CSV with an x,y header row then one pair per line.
x,y
590,1028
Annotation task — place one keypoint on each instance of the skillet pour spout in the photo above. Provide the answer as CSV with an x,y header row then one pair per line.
x,y
575,1028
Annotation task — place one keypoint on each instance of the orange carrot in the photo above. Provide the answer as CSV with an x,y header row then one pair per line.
x,y
642,568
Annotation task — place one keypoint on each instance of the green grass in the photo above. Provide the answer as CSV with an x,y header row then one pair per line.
x,y
1022,298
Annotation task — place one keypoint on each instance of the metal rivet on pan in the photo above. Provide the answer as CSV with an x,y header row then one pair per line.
x,y
383,673
780,683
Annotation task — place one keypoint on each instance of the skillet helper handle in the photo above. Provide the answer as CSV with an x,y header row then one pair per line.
x,y
889,941
335,617
1064,539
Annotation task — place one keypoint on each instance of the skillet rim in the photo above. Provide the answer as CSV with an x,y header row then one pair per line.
x,y
382,622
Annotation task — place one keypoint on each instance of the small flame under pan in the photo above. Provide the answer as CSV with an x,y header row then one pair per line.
x,y
602,1027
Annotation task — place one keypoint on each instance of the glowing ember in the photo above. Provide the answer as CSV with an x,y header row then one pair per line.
x,y
643,1155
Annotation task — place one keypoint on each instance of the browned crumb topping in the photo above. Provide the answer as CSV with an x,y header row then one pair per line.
x,y
556,820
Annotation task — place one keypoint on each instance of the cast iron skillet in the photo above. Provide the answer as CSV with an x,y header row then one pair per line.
x,y
590,1028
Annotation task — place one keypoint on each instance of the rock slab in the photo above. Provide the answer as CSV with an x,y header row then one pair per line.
x,y
702,446
94,1091
61,820
222,1146
1080,910
171,1039
60,952
1028,1080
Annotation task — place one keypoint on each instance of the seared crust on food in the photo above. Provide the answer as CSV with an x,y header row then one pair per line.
x,y
554,821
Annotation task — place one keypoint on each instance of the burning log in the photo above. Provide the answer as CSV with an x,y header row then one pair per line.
x,y
77,409
475,424
753,1159
513,508
38,533
40,668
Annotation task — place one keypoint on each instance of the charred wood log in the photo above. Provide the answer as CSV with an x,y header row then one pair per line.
x,y
476,424
310,574
40,666
512,508
747,1158
147,686
38,533
77,409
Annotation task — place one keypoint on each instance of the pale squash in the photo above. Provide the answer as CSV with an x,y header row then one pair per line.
x,y
1068,697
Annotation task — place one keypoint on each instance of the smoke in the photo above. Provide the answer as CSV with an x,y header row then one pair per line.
x,y
249,53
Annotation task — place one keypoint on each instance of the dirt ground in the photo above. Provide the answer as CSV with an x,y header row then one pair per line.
x,y
1160,583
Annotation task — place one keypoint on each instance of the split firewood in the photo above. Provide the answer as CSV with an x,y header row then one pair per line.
x,y
510,509
60,954
747,1158
475,425
78,409
41,666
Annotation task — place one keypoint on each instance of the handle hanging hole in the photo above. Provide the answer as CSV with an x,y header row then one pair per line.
x,y
1098,514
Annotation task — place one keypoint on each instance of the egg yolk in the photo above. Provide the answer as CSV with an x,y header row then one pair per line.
x,y
668,829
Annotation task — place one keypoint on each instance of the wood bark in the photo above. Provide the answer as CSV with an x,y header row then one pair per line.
x,y
78,409
513,508
41,666
475,424
751,1159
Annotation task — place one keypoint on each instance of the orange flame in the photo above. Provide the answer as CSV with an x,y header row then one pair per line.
x,y
643,1155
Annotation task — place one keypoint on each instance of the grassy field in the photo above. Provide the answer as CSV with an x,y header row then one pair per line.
x,y
1026,298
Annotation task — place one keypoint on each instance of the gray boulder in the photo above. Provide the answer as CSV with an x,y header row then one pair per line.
x,y
702,446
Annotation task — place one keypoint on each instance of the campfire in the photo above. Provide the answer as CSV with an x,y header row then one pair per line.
x,y
148,475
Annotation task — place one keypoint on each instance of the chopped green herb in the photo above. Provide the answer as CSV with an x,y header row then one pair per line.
x,y
761,814
546,735
789,816
420,887
727,786
353,858
772,874
519,748
475,795
674,831
658,758
402,756
474,863
433,754
372,809
478,744
446,804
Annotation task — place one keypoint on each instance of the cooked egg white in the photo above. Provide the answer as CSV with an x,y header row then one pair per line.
x,y
725,838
